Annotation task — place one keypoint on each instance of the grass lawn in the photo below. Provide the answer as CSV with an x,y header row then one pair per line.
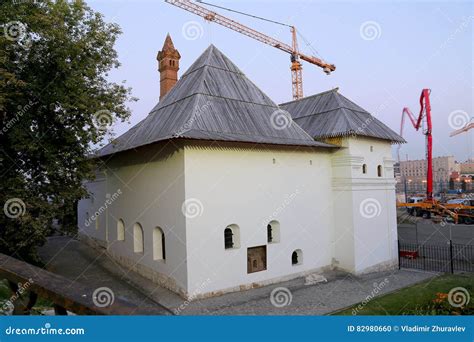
x,y
415,299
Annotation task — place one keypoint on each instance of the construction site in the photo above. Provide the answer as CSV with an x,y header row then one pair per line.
x,y
256,177
453,207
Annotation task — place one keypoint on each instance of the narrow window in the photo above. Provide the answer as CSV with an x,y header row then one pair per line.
x,y
137,238
294,258
158,244
97,224
120,230
232,236
273,232
297,257
228,238
379,171
364,168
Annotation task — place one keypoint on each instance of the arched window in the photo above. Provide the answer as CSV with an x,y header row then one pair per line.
x,y
273,232
228,238
379,171
269,233
158,244
364,168
232,236
297,257
137,238
120,230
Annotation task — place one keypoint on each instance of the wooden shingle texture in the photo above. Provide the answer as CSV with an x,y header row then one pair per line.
x,y
213,100
330,114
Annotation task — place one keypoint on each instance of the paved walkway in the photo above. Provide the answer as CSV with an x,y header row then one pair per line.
x,y
79,262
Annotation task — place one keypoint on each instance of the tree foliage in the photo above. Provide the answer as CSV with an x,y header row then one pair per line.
x,y
55,100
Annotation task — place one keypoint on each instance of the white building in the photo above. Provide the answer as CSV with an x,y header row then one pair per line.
x,y
220,190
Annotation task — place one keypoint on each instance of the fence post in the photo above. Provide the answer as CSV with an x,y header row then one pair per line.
x,y
451,254
398,253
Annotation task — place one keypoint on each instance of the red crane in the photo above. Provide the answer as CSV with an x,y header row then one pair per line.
x,y
296,67
425,113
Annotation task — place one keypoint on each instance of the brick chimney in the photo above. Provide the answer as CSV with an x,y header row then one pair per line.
x,y
168,66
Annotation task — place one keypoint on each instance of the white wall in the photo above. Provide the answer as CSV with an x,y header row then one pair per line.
x,y
151,186
365,237
315,195
245,186
92,220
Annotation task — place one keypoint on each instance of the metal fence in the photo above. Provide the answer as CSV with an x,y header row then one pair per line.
x,y
450,257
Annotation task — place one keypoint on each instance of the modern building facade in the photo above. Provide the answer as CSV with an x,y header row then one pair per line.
x,y
413,172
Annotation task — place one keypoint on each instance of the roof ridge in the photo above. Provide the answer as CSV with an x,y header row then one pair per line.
x,y
338,99
311,96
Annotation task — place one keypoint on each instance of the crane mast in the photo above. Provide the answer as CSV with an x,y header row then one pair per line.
x,y
296,66
425,113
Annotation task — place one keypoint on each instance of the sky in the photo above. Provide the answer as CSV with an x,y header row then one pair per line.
x,y
385,53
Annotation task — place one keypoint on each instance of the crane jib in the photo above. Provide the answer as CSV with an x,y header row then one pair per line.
x,y
296,68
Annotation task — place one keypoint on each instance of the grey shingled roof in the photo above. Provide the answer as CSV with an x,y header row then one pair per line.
x,y
330,114
213,100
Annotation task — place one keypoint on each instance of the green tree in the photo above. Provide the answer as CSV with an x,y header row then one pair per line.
x,y
55,104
